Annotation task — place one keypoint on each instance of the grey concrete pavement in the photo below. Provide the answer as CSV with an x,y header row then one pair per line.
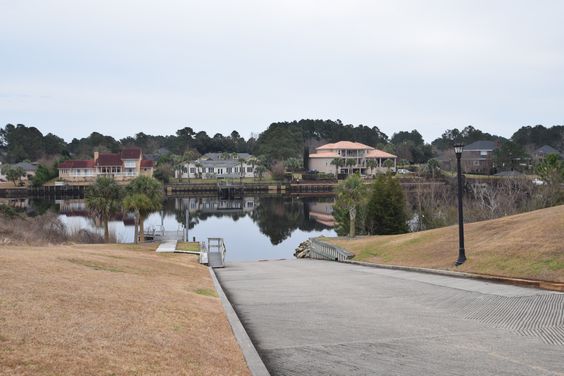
x,y
310,317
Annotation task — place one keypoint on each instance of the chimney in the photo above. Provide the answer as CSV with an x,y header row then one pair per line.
x,y
96,155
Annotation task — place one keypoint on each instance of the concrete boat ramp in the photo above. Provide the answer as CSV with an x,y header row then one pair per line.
x,y
311,317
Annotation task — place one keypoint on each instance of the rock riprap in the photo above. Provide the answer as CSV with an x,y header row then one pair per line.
x,y
302,251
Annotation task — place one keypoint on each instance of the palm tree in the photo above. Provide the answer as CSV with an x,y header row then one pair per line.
x,y
103,198
337,162
133,203
433,166
199,169
371,164
241,170
350,162
189,156
253,161
350,193
152,191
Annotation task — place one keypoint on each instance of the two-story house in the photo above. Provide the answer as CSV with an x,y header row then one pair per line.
x,y
477,157
353,157
541,153
219,165
123,166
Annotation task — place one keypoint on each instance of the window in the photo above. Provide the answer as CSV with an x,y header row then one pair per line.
x,y
229,170
210,169
483,153
192,170
249,169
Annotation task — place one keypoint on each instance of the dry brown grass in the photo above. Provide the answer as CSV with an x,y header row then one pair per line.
x,y
528,245
111,310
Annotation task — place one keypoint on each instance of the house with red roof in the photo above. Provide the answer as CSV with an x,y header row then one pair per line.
x,y
123,166
349,157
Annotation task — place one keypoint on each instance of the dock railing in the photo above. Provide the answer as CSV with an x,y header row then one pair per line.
x,y
216,252
324,251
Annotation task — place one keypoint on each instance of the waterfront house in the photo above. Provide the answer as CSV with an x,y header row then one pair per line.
x,y
123,166
29,168
219,165
477,157
540,154
356,158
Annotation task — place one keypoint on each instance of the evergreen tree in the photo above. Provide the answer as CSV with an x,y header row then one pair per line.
x,y
386,212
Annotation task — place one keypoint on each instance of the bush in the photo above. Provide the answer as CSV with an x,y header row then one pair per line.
x,y
386,213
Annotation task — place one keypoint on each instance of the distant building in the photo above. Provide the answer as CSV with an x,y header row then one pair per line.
x,y
357,158
540,154
219,165
29,168
126,165
477,157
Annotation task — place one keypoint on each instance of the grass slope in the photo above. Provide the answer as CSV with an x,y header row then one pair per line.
x,y
528,245
111,310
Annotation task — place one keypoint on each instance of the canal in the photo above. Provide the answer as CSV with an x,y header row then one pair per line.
x,y
254,227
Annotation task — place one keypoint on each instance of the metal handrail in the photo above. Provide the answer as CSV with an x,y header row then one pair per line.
x,y
218,244
324,251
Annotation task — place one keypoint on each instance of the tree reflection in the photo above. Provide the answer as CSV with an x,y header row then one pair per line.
x,y
276,217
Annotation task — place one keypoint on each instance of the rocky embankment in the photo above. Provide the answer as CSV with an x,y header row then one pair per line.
x,y
302,251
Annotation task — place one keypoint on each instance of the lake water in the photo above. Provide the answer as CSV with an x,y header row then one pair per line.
x,y
254,228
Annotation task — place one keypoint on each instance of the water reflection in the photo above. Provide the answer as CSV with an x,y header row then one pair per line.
x,y
255,227
276,217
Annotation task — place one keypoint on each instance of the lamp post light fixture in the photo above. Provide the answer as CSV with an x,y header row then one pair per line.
x,y
458,148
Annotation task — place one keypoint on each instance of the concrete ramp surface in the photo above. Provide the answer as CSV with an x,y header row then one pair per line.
x,y
309,317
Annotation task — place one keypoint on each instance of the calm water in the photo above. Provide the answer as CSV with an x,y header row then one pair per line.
x,y
254,228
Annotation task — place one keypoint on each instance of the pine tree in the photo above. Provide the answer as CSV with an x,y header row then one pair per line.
x,y
386,212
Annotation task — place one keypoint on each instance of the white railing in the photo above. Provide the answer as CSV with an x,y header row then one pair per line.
x,y
323,251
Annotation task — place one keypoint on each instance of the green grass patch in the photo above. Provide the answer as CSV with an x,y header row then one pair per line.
x,y
95,265
188,246
207,292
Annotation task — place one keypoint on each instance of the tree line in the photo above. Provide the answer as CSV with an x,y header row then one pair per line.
x,y
281,141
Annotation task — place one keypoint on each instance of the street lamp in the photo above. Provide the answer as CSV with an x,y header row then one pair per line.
x,y
458,148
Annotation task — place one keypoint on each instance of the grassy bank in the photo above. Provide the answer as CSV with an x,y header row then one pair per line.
x,y
528,245
111,310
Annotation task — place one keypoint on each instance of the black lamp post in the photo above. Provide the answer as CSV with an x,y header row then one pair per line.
x,y
461,254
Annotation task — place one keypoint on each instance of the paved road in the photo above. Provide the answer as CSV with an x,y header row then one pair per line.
x,y
310,317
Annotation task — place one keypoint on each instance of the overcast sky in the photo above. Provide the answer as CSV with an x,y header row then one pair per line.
x,y
120,67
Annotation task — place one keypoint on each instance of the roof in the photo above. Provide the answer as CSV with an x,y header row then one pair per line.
x,y
26,166
131,153
481,145
344,145
372,153
546,149
219,156
325,154
77,164
219,163
109,159
379,154
147,163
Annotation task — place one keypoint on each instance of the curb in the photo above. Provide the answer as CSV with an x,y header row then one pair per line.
x,y
545,285
254,362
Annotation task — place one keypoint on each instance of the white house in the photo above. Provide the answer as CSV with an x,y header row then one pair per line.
x,y
219,165
354,156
